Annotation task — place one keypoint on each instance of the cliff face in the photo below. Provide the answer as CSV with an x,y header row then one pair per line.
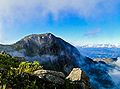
x,y
56,54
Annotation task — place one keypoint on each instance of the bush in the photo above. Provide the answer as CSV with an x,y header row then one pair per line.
x,y
10,68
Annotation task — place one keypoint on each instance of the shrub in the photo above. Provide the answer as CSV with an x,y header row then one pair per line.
x,y
10,68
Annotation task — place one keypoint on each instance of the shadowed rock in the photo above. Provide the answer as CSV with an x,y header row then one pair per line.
x,y
51,76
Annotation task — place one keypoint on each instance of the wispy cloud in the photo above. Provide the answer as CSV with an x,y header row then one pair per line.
x,y
93,32
1,33
26,9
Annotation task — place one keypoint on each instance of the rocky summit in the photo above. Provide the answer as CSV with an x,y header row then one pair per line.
x,y
55,54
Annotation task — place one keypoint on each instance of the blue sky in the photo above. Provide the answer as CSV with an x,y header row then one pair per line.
x,y
76,21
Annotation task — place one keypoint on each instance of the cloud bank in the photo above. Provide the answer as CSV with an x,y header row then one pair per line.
x,y
26,9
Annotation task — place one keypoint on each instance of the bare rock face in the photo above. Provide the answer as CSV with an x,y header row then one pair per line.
x,y
51,76
78,78
75,74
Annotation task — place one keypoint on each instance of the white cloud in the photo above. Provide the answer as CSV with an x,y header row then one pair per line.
x,y
1,33
26,9
93,32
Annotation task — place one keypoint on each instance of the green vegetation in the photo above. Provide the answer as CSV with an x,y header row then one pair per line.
x,y
15,74
6,62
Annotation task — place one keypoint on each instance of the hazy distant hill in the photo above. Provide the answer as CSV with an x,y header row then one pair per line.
x,y
100,52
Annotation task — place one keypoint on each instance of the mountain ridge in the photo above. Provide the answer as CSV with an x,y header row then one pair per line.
x,y
100,46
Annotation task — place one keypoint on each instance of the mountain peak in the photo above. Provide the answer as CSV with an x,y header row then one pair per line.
x,y
37,39
46,35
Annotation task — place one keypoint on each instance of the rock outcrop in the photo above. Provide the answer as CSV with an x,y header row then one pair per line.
x,y
51,76
79,78
75,75
76,79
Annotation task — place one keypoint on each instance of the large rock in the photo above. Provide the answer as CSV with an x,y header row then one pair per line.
x,y
75,74
78,77
51,76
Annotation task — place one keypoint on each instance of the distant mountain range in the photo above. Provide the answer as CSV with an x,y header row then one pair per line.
x,y
100,50
100,46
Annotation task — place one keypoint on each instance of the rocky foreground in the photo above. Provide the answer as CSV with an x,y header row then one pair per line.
x,y
18,74
76,79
